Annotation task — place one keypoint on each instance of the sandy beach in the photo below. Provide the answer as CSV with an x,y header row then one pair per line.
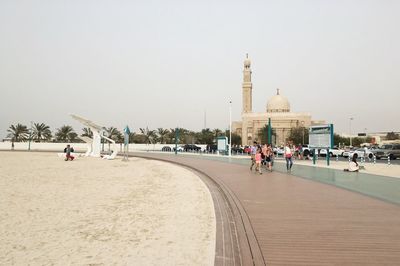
x,y
98,212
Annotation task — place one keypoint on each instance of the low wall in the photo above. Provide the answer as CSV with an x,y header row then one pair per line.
x,y
82,147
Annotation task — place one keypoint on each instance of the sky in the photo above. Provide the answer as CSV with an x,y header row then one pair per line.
x,y
179,63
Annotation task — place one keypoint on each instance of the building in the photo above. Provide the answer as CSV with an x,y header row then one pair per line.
x,y
277,108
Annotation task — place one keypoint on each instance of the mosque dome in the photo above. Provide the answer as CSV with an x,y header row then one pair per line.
x,y
278,103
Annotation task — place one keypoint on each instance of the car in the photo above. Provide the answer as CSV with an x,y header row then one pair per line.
x,y
211,148
191,147
278,150
179,148
236,150
166,148
332,152
388,150
361,152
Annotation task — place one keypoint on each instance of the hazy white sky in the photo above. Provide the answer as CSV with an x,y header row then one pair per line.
x,y
163,63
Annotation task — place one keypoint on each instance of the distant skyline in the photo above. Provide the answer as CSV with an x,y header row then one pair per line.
x,y
165,63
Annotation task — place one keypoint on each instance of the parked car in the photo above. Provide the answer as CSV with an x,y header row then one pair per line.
x,y
388,150
166,148
306,150
278,151
191,147
180,148
237,150
361,152
211,148
332,152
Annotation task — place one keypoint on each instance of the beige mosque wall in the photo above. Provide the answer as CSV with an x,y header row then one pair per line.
x,y
277,108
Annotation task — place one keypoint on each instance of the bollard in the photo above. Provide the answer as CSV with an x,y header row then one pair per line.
x,y
362,160
337,157
349,157
388,159
374,159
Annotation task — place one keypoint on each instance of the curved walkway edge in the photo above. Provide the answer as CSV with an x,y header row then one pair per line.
x,y
236,242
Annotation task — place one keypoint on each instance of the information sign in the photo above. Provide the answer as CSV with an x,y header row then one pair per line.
x,y
321,136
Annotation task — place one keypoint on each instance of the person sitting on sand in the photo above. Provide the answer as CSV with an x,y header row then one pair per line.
x,y
67,151
353,165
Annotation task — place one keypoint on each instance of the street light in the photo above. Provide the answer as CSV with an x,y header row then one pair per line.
x,y
350,119
30,137
230,128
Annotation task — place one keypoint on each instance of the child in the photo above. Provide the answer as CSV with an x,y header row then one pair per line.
x,y
258,160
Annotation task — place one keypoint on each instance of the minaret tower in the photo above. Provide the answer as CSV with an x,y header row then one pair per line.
x,y
247,87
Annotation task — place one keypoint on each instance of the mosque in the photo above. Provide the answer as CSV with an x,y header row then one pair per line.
x,y
278,109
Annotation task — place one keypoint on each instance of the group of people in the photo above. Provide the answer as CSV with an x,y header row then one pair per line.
x,y
264,155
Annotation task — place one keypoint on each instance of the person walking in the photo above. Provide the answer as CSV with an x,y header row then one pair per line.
x,y
67,151
253,151
258,161
288,156
269,157
264,154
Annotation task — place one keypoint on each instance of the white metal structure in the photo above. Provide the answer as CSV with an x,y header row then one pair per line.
x,y
94,144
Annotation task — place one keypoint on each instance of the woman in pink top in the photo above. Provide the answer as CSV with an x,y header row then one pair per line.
x,y
258,161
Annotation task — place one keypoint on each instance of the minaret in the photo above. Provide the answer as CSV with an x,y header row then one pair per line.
x,y
247,87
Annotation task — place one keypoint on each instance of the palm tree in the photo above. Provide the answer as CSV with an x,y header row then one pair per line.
x,y
162,134
217,132
206,136
182,135
18,132
41,132
66,134
113,133
87,132
132,137
150,135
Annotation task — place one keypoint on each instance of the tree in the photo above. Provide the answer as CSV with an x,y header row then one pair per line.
x,y
66,134
236,139
162,135
132,137
18,132
182,135
217,132
41,132
149,135
205,136
297,134
138,138
392,136
339,140
113,133
263,134
87,132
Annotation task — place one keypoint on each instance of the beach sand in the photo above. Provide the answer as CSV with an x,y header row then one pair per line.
x,y
99,212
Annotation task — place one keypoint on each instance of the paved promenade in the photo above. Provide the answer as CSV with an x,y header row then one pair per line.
x,y
302,222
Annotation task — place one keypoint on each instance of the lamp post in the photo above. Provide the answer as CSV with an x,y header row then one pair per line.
x,y
350,119
30,137
230,129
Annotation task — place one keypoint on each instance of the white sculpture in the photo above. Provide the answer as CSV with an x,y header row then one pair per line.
x,y
94,144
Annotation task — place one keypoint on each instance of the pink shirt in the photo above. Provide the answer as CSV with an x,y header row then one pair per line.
x,y
258,157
